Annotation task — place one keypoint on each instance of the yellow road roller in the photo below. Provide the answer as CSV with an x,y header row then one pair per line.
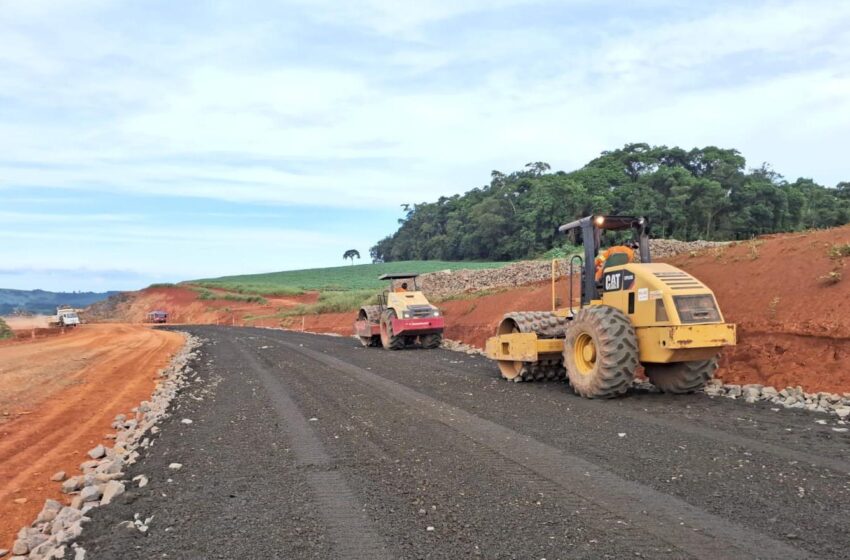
x,y
630,312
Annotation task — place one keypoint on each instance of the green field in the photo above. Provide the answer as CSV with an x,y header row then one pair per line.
x,y
335,279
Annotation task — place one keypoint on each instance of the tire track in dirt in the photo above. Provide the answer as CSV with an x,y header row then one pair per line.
x,y
837,464
721,437
541,518
351,531
683,525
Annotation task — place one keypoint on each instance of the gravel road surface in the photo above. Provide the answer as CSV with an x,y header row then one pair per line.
x,y
307,446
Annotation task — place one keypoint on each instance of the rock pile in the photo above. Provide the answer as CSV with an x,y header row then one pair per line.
x,y
790,397
52,534
665,248
449,282
461,347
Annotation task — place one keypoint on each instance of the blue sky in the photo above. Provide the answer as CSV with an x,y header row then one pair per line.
x,y
155,141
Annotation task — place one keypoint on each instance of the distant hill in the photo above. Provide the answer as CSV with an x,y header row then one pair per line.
x,y
41,301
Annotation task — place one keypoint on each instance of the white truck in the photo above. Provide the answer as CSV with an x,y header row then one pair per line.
x,y
65,317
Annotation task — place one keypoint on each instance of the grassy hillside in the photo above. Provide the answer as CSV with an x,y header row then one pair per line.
x,y
339,278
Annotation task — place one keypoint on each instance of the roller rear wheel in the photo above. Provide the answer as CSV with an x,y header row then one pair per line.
x,y
389,340
600,352
431,341
372,314
681,377
513,371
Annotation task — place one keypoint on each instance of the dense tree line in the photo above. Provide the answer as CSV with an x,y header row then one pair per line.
x,y
703,193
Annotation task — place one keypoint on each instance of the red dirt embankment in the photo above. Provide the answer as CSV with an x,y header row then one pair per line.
x,y
58,397
184,306
793,316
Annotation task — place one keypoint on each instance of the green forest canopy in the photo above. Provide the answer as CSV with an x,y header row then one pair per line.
x,y
704,193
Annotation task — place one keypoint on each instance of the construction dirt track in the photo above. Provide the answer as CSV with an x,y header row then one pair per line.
x,y
309,446
58,397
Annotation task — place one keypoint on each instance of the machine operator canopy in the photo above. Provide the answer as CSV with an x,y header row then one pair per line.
x,y
607,222
397,276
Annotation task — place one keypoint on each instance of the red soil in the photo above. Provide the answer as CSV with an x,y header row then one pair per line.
x,y
29,335
183,306
793,323
58,397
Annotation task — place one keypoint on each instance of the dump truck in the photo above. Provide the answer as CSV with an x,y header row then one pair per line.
x,y
157,316
630,312
403,316
65,317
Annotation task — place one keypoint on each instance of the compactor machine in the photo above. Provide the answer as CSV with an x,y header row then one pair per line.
x,y
630,312
402,316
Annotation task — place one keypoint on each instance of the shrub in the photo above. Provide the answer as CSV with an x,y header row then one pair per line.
x,y
5,330
832,277
254,289
208,295
335,302
754,248
563,252
245,298
839,251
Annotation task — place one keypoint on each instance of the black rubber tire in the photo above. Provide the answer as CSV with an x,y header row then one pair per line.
x,y
681,377
431,341
615,342
388,340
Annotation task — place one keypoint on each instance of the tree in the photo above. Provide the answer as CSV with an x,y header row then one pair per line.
x,y
350,254
703,193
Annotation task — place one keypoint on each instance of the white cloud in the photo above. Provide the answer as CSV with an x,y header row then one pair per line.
x,y
50,218
639,80
401,18
153,253
370,104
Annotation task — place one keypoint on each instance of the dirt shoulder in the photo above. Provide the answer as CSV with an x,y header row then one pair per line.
x,y
793,313
58,397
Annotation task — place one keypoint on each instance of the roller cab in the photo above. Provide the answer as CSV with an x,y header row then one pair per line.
x,y
675,316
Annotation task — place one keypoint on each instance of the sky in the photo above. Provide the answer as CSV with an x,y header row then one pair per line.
x,y
161,141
